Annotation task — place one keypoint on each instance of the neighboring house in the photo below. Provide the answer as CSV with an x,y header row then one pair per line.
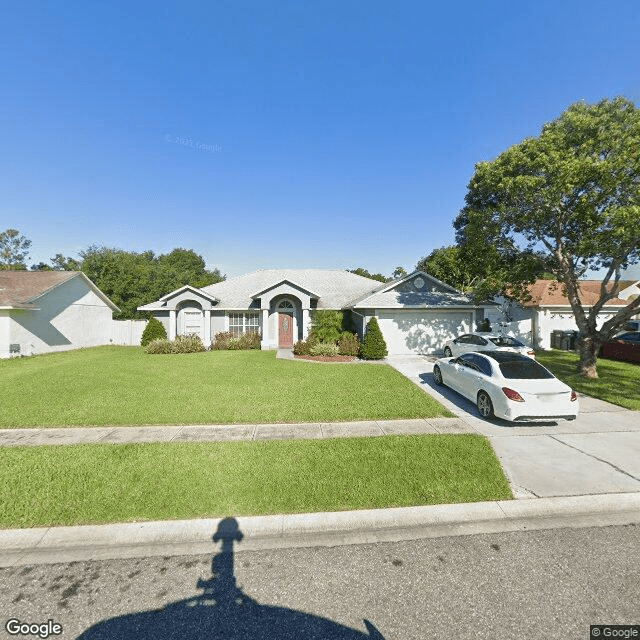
x,y
42,311
629,290
417,313
549,310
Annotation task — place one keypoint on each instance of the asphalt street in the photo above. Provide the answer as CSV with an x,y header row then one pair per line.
x,y
532,585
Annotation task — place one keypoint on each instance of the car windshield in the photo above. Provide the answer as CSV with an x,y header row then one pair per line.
x,y
524,370
506,341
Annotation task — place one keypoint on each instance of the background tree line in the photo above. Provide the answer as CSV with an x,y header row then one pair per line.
x,y
129,279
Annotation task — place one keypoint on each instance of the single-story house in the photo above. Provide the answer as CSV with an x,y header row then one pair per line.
x,y
416,313
549,310
42,311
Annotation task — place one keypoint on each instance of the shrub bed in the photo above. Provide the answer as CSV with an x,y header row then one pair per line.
x,y
348,345
226,340
182,344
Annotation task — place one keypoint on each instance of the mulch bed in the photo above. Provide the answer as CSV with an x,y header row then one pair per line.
x,y
327,358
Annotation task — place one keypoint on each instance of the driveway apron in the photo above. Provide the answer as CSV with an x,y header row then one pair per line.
x,y
597,453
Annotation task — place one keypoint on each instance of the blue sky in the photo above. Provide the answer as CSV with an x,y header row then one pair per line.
x,y
282,134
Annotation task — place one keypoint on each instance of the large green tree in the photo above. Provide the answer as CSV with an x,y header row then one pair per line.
x,y
447,264
14,249
569,199
131,279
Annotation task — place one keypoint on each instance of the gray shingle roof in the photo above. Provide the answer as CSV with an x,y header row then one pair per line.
x,y
394,299
335,287
403,293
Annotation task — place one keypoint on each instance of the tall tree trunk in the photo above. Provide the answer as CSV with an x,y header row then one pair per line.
x,y
588,348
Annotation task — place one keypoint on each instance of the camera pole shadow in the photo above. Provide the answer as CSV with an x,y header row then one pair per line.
x,y
223,610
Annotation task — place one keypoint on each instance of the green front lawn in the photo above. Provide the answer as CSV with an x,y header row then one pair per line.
x,y
126,386
618,382
82,484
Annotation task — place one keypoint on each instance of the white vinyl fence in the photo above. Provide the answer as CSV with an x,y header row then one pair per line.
x,y
127,332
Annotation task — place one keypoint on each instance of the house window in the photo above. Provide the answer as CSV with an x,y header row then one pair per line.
x,y
285,304
241,323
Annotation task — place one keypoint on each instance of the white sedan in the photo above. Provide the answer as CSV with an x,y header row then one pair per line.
x,y
485,342
507,385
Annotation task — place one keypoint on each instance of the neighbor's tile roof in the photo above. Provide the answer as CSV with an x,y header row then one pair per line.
x,y
549,293
334,287
20,288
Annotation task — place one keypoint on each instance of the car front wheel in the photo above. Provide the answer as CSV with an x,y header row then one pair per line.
x,y
447,352
485,406
437,375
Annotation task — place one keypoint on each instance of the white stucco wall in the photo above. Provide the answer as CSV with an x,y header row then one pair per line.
x,y
68,317
534,326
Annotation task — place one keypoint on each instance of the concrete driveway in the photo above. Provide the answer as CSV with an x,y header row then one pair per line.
x,y
597,453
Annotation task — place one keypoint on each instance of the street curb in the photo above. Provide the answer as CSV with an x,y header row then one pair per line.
x,y
182,537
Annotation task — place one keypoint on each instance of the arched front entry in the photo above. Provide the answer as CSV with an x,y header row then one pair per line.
x,y
286,323
191,320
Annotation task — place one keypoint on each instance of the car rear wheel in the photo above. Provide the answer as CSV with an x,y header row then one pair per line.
x,y
437,375
485,406
447,352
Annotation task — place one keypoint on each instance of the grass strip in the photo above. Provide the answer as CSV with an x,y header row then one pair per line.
x,y
617,382
126,386
83,484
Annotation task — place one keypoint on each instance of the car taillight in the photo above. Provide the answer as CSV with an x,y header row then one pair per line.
x,y
531,353
512,395
574,396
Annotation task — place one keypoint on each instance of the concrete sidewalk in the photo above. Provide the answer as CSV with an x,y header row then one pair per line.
x,y
220,433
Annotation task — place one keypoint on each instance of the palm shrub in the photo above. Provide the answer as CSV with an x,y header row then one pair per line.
x,y
152,331
373,346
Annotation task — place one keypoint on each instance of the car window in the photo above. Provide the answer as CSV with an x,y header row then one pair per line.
x,y
463,339
506,341
466,361
478,340
482,364
631,337
524,370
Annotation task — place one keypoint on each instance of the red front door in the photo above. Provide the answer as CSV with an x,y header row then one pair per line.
x,y
285,326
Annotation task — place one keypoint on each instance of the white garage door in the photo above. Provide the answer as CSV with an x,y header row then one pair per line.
x,y
422,331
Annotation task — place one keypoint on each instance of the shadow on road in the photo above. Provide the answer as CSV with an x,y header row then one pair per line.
x,y
224,611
